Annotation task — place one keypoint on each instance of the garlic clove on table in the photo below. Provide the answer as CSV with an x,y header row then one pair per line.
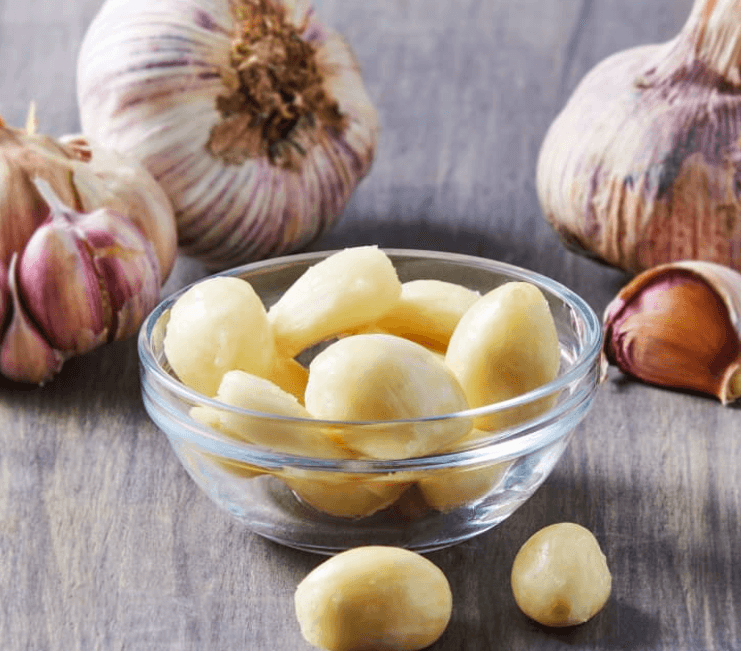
x,y
640,167
679,325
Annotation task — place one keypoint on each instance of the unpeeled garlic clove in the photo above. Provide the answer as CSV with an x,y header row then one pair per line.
x,y
679,325
80,281
25,356
92,237
87,278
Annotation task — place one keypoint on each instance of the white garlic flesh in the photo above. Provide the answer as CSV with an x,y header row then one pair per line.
x,y
291,376
503,346
250,392
374,597
216,326
251,115
448,489
560,576
379,377
428,311
345,495
347,290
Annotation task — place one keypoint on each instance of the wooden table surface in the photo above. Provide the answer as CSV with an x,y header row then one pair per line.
x,y
105,542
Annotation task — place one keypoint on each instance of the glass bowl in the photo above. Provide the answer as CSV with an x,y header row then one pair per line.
x,y
425,503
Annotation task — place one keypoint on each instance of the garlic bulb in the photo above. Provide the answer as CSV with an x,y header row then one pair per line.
x,y
641,167
86,239
251,114
679,325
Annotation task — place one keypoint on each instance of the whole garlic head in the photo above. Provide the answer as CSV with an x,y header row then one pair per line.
x,y
251,114
87,238
641,167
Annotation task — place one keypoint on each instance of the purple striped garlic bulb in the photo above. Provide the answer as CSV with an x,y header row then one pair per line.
x,y
251,115
87,238
643,164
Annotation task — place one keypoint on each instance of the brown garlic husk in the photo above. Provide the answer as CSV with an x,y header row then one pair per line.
x,y
643,164
678,325
86,241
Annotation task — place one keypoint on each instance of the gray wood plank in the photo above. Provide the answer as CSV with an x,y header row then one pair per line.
x,y
105,543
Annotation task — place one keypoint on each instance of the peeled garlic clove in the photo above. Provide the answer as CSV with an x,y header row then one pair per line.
x,y
560,576
679,325
216,326
374,597
428,311
256,394
347,290
291,376
380,377
25,356
505,345
448,489
344,495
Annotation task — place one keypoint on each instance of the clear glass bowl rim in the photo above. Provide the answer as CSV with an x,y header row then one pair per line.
x,y
153,373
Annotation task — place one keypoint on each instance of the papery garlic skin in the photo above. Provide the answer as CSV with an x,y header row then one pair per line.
x,y
640,167
111,279
150,75
678,325
87,238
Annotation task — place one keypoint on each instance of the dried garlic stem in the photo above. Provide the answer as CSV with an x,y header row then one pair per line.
x,y
717,39
275,99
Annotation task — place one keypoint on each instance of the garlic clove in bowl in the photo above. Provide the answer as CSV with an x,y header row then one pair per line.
x,y
679,325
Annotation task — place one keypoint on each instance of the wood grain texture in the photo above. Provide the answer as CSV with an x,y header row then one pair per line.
x,y
105,542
